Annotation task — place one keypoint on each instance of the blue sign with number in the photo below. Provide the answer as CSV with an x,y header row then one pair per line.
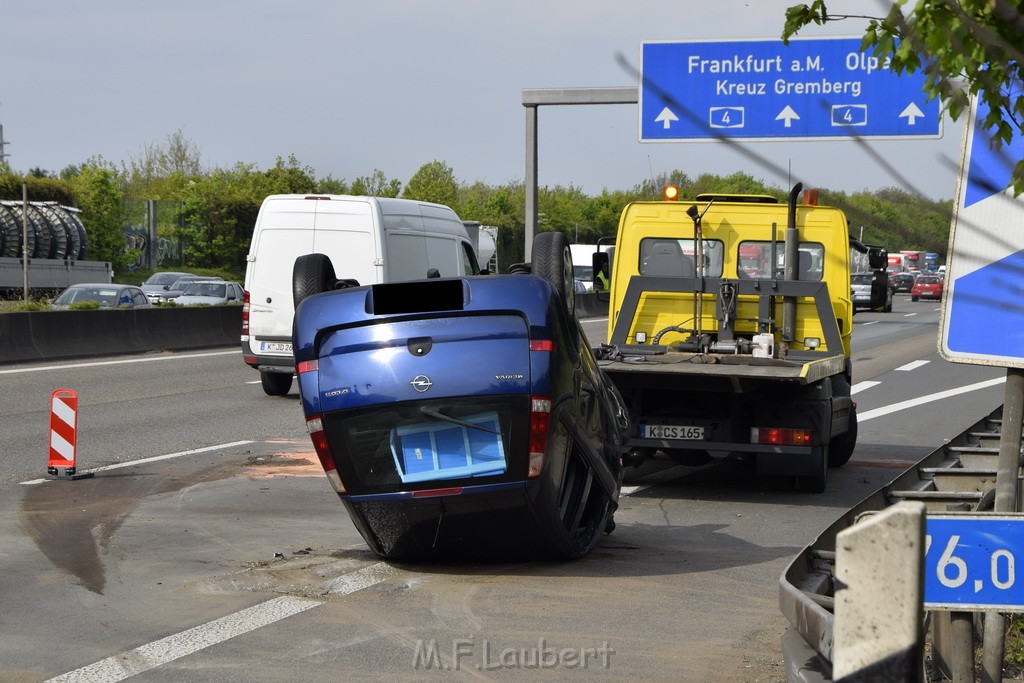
x,y
765,90
970,563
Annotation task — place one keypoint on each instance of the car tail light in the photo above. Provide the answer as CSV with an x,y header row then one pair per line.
x,y
780,436
307,366
542,345
245,312
540,426
315,427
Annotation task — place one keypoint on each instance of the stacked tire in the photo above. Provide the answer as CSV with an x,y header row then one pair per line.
x,y
54,231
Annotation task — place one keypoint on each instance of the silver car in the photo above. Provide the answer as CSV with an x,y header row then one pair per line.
x,y
106,295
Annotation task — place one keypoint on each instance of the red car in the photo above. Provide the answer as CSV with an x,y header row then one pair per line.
x,y
926,287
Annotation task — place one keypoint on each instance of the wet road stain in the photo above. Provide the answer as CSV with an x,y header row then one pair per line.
x,y
73,522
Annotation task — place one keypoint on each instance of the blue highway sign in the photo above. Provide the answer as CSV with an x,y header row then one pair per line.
x,y
765,90
970,563
982,317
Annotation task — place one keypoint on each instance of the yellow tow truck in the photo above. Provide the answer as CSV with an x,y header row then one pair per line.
x,y
729,331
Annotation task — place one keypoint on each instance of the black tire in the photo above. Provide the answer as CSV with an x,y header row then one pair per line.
x,y
840,449
552,260
60,242
815,482
44,238
914,298
71,229
312,274
276,383
888,302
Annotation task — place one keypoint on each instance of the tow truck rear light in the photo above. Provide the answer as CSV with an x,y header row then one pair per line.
x,y
540,426
780,436
670,193
542,345
315,427
245,312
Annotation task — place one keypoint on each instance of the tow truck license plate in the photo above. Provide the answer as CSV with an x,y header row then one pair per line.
x,y
285,347
680,432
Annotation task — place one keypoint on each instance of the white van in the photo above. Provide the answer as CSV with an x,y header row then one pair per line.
x,y
368,239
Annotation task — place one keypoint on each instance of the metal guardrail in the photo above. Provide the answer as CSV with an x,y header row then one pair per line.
x,y
959,476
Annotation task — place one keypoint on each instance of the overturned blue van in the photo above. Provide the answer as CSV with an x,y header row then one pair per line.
x,y
460,417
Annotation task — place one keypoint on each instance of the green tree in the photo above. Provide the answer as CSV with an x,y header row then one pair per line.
x,y
97,189
963,47
433,182
376,185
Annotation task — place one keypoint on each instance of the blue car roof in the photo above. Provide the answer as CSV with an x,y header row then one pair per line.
x,y
527,295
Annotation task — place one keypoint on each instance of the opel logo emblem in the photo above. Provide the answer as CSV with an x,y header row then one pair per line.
x,y
421,383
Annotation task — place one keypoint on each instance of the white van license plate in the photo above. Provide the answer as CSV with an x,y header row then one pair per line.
x,y
678,432
279,347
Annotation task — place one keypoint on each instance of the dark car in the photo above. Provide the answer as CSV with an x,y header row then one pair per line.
x,y
158,283
927,287
902,282
106,295
461,416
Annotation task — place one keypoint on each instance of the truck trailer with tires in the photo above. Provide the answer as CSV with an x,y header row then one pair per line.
x,y
729,333
56,243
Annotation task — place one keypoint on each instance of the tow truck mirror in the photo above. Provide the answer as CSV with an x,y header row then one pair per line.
x,y
877,258
602,274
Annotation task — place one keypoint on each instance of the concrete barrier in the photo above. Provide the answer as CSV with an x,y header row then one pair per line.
x,y
52,335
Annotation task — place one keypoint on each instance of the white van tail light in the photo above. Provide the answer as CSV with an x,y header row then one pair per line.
x,y
315,427
245,312
540,426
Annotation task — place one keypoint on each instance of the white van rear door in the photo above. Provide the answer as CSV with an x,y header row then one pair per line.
x,y
345,232
285,232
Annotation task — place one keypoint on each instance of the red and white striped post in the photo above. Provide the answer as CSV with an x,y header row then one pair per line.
x,y
63,433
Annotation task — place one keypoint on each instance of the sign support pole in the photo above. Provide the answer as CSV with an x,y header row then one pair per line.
x,y
1007,483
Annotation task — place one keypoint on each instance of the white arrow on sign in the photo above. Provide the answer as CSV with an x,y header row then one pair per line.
x,y
911,113
787,115
666,117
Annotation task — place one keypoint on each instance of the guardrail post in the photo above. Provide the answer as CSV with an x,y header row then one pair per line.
x,y
879,597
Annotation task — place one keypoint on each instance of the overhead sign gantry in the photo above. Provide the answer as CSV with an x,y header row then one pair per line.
x,y
813,88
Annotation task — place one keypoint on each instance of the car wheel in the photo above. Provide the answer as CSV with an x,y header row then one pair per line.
x,y
888,302
815,482
840,449
276,383
914,298
582,508
552,261
312,274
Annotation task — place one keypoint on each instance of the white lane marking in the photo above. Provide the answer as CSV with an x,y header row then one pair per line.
x,y
152,655
119,362
913,365
921,400
861,386
870,322
909,315
363,578
155,458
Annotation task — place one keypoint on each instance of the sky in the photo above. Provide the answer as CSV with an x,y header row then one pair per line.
x,y
357,86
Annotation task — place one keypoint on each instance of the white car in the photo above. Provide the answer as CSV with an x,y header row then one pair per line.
x,y
210,294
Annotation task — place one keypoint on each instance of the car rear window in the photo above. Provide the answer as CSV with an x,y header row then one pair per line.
x,y
417,444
